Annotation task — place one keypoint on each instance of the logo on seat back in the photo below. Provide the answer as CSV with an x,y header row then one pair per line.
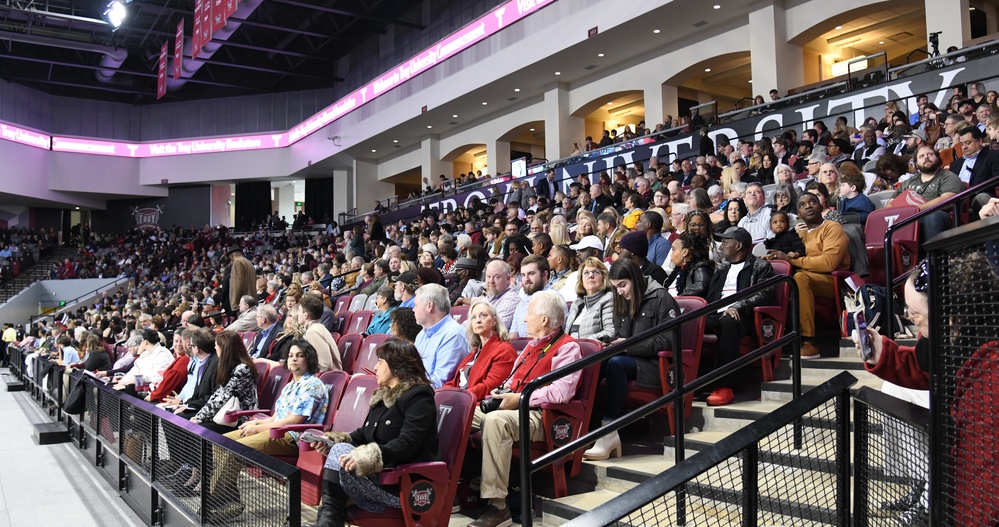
x,y
891,219
768,330
421,498
444,410
360,395
561,431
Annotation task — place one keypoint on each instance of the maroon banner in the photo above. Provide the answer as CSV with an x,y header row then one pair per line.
x,y
161,76
196,34
218,15
178,50
206,22
230,8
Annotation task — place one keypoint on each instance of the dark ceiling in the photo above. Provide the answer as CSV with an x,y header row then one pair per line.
x,y
283,45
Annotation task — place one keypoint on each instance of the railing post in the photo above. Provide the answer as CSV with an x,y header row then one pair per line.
x,y
526,493
794,314
750,485
679,452
843,457
889,319
861,453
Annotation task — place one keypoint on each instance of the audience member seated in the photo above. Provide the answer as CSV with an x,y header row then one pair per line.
x,y
386,303
977,165
236,377
500,291
317,334
825,251
490,357
640,303
247,320
561,261
931,185
592,313
634,247
175,375
854,207
757,218
534,273
739,271
735,211
406,285
304,400
400,428
692,266
442,342
404,325
290,331
550,349
152,359
267,321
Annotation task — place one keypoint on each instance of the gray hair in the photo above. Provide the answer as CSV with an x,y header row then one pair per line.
x,y
437,295
134,340
249,300
551,305
739,187
715,190
473,340
464,240
817,156
268,312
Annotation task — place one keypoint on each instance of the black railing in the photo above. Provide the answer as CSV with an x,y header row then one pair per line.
x,y
956,202
891,457
148,454
735,462
791,339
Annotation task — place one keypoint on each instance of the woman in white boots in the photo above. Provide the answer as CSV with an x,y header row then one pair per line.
x,y
640,303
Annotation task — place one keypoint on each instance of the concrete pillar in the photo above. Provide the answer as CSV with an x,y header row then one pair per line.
x,y
431,163
343,190
561,128
367,188
776,63
950,18
671,104
654,104
498,157
284,200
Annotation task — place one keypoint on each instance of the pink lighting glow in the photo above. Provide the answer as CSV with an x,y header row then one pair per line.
x,y
25,137
480,29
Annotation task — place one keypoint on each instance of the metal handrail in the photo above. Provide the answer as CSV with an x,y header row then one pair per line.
x,y
791,337
953,54
675,478
890,280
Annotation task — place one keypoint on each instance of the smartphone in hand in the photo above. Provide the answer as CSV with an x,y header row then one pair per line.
x,y
866,348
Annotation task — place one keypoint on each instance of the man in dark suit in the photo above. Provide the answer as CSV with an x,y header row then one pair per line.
x,y
267,318
976,165
546,187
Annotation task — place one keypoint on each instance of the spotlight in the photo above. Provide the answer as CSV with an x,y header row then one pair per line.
x,y
116,13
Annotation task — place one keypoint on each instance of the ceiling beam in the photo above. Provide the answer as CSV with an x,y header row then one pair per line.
x,y
354,14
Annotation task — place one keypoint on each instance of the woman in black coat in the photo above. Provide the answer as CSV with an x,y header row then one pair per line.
x,y
692,266
401,427
640,303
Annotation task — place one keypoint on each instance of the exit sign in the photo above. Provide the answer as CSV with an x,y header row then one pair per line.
x,y
592,32
298,203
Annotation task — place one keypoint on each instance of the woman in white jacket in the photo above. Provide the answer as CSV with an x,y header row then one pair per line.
x,y
153,359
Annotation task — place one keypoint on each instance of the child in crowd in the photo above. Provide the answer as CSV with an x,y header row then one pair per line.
x,y
854,205
785,238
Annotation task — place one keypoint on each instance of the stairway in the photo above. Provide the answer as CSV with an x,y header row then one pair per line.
x,y
714,498
39,271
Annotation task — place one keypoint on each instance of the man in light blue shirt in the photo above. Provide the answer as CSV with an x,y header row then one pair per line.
x,y
442,342
651,223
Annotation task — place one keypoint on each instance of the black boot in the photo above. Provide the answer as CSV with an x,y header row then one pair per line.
x,y
332,507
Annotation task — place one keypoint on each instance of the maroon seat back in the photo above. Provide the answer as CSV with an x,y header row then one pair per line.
x,y
277,379
459,314
336,383
366,356
353,407
358,323
348,346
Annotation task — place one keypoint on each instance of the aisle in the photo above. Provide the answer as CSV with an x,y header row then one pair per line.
x,y
49,485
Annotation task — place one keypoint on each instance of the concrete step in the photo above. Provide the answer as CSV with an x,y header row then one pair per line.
x,y
780,391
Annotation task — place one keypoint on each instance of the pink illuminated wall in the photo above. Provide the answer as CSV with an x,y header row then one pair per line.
x,y
483,27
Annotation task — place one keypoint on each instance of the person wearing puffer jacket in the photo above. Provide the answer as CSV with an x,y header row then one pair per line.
x,y
640,303
592,313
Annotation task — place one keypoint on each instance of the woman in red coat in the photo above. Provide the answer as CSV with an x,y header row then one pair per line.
x,y
175,376
491,358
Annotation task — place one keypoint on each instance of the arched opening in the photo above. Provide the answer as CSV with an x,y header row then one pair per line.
x,y
896,28
407,183
726,79
613,111
468,158
526,140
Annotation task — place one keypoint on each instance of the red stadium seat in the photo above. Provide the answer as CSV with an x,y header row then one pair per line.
x,y
366,358
342,304
359,322
348,346
905,242
459,314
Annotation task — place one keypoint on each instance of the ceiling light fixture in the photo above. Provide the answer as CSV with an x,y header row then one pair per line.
x,y
558,73
656,31
839,27
395,140
600,54
430,126
455,116
532,129
516,89
881,42
707,70
373,150
116,13
717,6
483,104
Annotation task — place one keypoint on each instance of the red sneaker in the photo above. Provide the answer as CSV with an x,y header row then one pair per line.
x,y
721,397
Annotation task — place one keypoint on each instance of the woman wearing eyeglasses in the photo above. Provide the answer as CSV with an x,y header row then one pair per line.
x,y
592,314
906,373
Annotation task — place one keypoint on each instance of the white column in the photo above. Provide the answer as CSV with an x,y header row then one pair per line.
x,y
561,128
343,191
431,164
284,198
367,188
951,19
498,157
776,63
671,104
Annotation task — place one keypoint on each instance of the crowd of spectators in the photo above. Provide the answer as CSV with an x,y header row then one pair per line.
x,y
600,257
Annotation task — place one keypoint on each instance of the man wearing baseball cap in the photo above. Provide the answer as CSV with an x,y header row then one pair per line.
x,y
588,246
405,286
740,270
635,245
